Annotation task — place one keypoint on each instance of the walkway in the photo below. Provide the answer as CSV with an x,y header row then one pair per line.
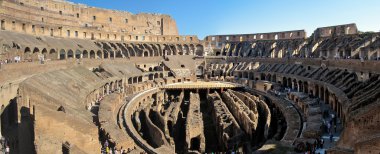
x,y
202,85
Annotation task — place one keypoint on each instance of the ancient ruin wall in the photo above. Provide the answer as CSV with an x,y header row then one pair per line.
x,y
56,17
227,128
194,125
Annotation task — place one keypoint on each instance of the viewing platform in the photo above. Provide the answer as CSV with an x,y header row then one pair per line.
x,y
202,85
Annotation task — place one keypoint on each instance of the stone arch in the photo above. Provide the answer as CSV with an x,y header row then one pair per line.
x,y
36,52
112,86
130,81
284,82
78,54
274,78
105,54
237,49
192,49
160,51
155,50
99,54
52,54
179,49
70,54
186,49
140,79
199,50
131,51
62,54
44,52
167,50
92,54
112,54
151,77
119,54
27,53
85,54
173,49
146,53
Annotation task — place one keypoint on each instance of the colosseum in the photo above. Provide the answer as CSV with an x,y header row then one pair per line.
x,y
80,79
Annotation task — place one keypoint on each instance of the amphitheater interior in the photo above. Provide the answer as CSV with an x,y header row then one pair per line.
x,y
78,79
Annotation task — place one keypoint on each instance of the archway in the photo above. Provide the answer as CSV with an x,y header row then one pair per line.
x,y
99,54
146,54
62,54
70,54
112,54
105,53
199,50
52,54
92,54
44,52
78,54
85,54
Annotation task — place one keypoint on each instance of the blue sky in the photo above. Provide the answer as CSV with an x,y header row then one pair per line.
x,y
209,17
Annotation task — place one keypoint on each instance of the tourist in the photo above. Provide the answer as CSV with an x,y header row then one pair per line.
x,y
331,137
7,150
322,142
328,127
115,151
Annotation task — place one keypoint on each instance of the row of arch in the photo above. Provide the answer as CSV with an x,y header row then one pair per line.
x,y
115,50
273,49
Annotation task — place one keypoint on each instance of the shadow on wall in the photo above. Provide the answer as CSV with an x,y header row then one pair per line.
x,y
19,136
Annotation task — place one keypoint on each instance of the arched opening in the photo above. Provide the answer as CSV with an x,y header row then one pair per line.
x,y
36,53
85,54
284,82
105,53
44,52
99,54
156,75
151,76
52,54
70,54
140,79
199,71
27,53
78,54
186,49
199,50
112,54
62,54
146,54
92,54
195,144
36,50
119,54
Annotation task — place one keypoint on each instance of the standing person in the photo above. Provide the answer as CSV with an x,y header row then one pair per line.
x,y
328,127
331,137
322,142
7,150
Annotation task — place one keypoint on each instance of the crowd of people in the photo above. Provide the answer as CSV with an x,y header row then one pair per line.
x,y
108,149
17,59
